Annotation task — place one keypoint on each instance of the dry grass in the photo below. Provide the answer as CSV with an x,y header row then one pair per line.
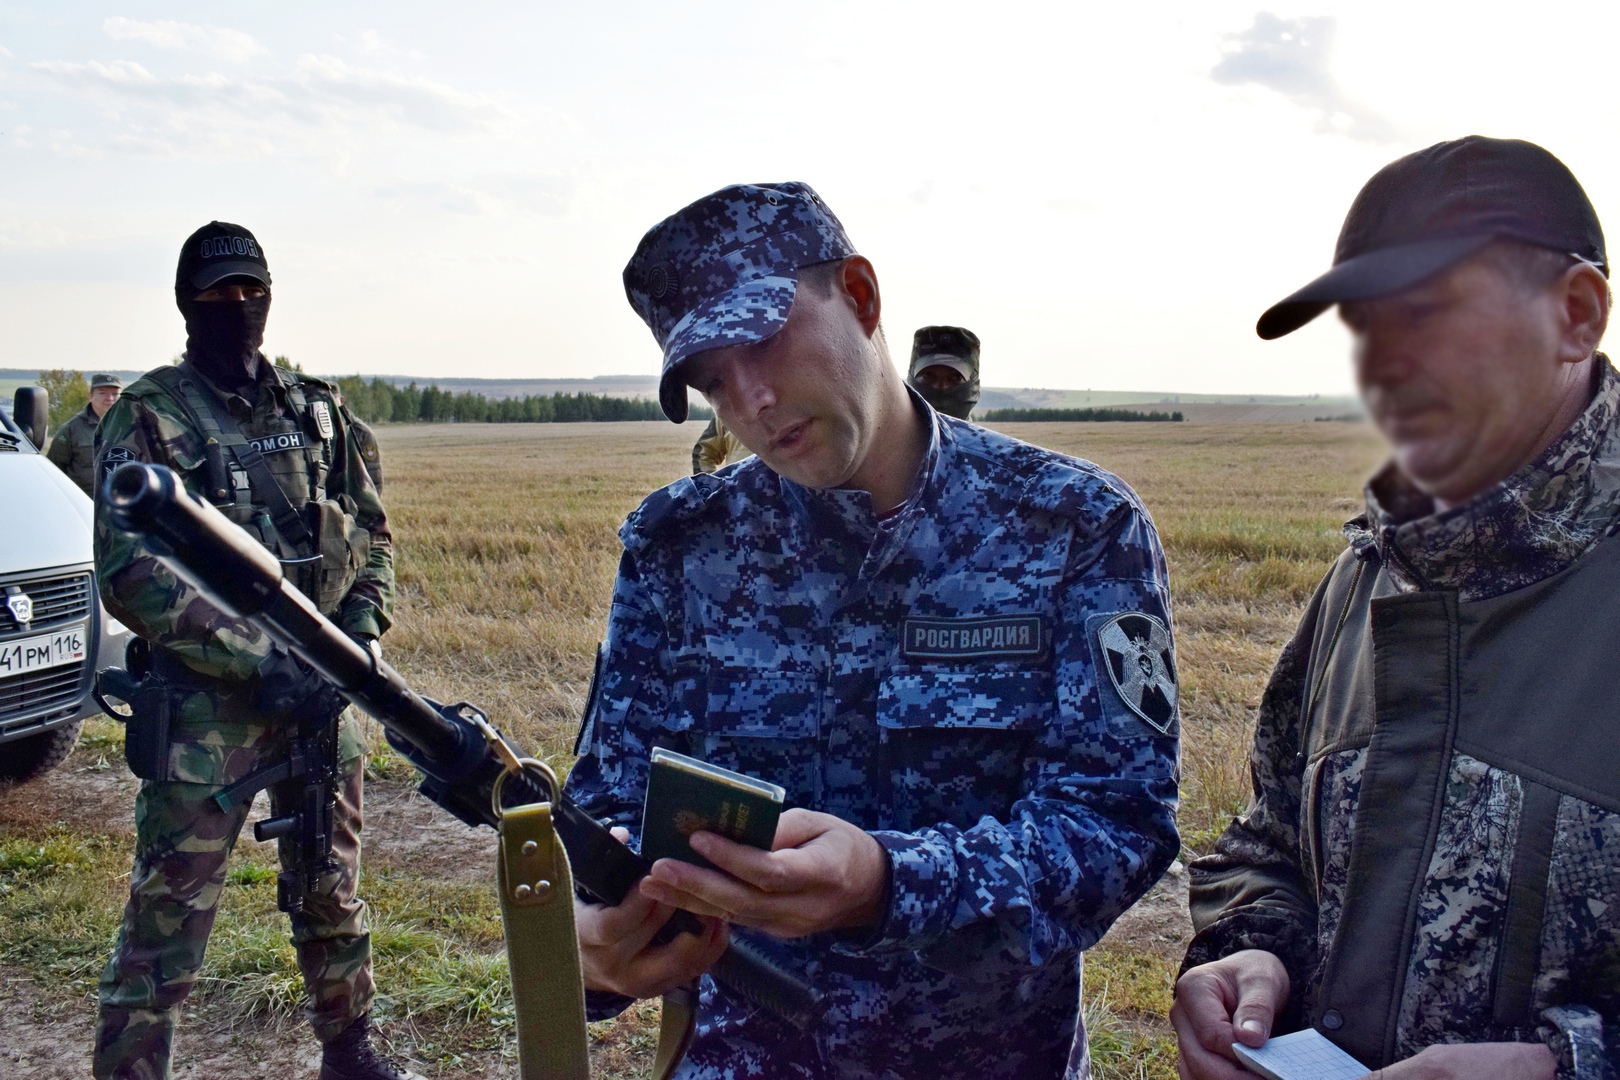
x,y
506,545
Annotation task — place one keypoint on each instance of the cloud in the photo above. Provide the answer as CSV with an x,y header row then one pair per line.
x,y
299,111
1294,58
232,45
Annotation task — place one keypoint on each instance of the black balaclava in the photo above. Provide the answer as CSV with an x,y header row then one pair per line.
x,y
223,339
958,401
223,336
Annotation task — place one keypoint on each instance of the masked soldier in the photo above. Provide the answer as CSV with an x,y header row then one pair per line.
x,y
276,452
73,447
945,369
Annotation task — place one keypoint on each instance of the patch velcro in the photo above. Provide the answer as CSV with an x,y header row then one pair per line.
x,y
996,637
270,444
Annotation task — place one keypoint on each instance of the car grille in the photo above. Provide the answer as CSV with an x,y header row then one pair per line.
x,y
43,696
56,600
49,691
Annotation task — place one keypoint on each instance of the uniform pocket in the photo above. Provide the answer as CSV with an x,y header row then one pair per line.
x,y
954,742
765,724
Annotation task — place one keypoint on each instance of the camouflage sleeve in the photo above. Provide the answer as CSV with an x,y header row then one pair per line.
x,y
1577,1038
1250,893
629,699
369,607
139,590
1095,826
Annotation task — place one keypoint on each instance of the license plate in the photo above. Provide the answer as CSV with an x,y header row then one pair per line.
x,y
44,651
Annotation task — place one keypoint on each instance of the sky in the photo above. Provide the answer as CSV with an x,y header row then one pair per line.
x,y
1108,194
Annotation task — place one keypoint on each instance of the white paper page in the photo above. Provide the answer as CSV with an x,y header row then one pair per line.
x,y
1304,1055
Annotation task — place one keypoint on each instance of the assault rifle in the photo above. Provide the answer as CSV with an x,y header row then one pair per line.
x,y
449,745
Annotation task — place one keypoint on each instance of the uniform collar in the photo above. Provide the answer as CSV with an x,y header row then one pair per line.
x,y
1525,529
89,414
846,514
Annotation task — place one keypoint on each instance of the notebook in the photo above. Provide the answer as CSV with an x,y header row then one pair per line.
x,y
1304,1055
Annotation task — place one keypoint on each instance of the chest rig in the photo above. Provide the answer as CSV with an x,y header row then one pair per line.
x,y
272,482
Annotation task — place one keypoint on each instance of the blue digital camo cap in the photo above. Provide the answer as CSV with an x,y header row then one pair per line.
x,y
723,271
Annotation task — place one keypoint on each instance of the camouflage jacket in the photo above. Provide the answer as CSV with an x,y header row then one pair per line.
x,y
219,738
73,449
941,679
1433,845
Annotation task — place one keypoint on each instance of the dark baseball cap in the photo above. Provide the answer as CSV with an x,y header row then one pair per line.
x,y
1431,209
954,347
217,251
98,381
724,270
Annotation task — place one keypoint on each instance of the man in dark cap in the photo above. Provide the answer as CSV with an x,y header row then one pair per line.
x,y
73,447
952,649
275,450
1429,872
945,369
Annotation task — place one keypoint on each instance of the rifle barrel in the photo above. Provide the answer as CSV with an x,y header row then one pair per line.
x,y
238,575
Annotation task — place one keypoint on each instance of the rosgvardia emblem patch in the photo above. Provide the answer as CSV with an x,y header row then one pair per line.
x,y
1140,665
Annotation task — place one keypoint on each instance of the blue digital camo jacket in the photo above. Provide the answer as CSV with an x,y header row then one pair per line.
x,y
984,681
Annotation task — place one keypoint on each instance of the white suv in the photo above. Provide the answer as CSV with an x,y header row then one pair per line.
x,y
54,635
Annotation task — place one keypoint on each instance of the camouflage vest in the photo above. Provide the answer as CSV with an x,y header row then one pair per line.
x,y
271,480
1521,682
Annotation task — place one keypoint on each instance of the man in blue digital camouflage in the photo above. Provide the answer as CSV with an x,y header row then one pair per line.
x,y
952,650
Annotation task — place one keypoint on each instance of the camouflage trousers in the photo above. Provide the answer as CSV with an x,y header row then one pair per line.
x,y
182,841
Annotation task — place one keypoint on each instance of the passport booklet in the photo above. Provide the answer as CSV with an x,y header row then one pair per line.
x,y
685,795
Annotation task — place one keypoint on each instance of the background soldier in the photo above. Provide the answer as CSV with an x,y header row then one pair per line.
x,y
73,447
945,369
276,452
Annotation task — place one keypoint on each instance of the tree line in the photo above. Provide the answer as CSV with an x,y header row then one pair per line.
x,y
379,400
1021,416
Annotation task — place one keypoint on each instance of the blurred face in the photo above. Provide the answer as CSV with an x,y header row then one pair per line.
x,y
1466,374
807,399
939,377
102,398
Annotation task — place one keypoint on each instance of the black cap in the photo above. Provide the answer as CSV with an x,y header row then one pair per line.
x,y
217,251
953,346
1431,209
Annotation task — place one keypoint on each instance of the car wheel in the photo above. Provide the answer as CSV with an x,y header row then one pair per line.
x,y
35,755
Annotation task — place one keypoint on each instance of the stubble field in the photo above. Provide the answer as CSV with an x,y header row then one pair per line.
x,y
506,544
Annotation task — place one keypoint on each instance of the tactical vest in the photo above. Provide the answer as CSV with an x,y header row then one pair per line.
x,y
274,484
1523,682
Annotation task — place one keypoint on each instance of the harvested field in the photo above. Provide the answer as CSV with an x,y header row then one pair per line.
x,y
507,548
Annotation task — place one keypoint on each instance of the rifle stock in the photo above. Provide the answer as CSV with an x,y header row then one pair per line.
x,y
458,766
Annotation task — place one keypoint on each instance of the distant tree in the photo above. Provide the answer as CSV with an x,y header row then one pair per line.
x,y
1013,416
68,392
286,364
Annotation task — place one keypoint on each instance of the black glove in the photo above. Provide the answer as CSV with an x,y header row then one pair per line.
x,y
290,687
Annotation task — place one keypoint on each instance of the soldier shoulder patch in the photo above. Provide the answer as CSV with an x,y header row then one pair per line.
x,y
1139,659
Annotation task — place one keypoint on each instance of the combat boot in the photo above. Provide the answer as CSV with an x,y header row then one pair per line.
x,y
351,1056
